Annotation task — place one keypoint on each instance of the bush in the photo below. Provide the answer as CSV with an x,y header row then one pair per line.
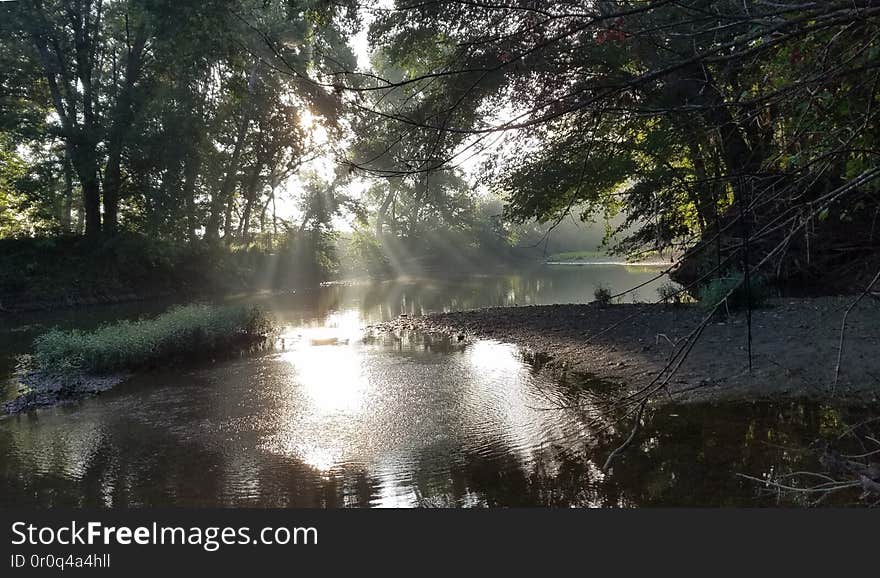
x,y
602,295
192,329
670,294
716,292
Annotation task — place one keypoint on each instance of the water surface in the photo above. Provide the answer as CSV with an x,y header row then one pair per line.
x,y
404,420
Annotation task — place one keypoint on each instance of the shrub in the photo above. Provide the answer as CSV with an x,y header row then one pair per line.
x,y
602,294
716,291
669,294
187,330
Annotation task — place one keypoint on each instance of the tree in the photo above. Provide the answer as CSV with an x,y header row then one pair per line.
x,y
704,122
173,116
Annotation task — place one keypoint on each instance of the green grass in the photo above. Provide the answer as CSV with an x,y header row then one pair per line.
x,y
181,331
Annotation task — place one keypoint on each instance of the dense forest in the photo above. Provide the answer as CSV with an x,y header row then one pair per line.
x,y
229,139
723,128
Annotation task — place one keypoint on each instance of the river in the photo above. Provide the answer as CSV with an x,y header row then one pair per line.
x,y
330,420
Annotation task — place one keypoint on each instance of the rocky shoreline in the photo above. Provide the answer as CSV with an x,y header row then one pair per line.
x,y
795,345
43,390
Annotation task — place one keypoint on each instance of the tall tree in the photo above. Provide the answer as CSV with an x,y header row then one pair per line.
x,y
697,119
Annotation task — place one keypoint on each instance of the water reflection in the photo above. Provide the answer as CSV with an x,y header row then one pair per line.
x,y
413,422
407,420
377,302
338,311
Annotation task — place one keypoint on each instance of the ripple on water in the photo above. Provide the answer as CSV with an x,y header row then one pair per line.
x,y
387,424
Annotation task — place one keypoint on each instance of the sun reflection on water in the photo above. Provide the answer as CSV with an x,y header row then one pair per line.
x,y
331,376
337,412
327,390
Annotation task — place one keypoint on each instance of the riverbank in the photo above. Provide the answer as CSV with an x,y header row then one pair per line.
x,y
43,274
40,389
61,272
794,345
71,365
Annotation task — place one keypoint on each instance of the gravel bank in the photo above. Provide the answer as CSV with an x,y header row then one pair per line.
x,y
43,390
794,346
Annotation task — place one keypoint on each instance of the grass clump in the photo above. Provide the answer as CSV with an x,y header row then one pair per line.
x,y
181,331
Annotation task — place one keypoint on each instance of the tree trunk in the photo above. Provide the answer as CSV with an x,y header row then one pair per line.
x,y
227,217
739,157
80,138
86,167
192,164
221,202
67,209
702,194
250,195
122,118
274,220
694,86
383,211
264,210
91,192
111,193
224,199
